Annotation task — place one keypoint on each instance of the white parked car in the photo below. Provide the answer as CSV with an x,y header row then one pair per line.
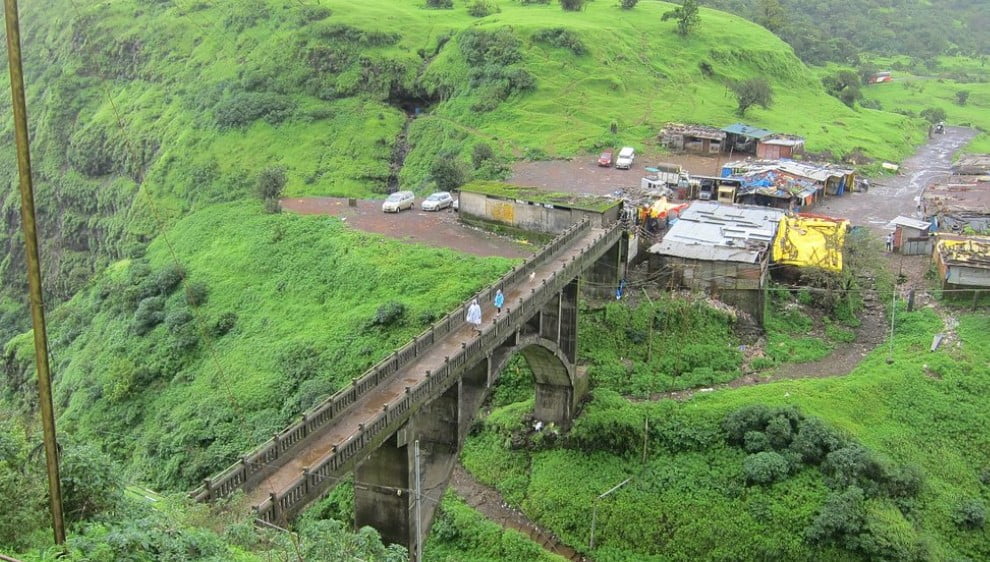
x,y
437,201
398,201
625,159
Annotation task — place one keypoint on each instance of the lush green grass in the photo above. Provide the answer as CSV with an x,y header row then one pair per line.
x,y
669,344
295,307
460,533
689,501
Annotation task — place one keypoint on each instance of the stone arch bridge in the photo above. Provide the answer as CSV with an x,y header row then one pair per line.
x,y
400,426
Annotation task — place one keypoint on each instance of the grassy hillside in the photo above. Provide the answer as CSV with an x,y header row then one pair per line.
x,y
144,111
277,311
691,499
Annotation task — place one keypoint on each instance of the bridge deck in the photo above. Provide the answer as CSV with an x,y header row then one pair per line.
x,y
369,406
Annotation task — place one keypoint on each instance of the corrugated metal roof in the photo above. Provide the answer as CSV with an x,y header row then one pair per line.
x,y
910,223
747,131
716,232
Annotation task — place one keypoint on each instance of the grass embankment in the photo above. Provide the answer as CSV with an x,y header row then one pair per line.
x,y
276,312
960,86
691,500
144,112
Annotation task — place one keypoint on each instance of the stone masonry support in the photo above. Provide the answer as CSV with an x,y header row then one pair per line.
x,y
603,277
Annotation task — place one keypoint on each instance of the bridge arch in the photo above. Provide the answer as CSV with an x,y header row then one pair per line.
x,y
559,385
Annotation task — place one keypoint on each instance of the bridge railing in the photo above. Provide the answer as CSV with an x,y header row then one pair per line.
x,y
268,455
313,479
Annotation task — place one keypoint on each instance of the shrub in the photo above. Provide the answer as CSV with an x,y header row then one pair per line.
x,y
572,5
842,516
448,173
853,465
933,114
389,314
440,4
269,186
560,37
482,8
197,293
962,96
176,319
224,324
743,420
309,13
149,313
89,482
481,153
756,441
243,108
779,432
628,4
970,514
169,278
815,440
765,468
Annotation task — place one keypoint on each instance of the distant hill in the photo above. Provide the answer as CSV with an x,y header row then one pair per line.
x,y
839,30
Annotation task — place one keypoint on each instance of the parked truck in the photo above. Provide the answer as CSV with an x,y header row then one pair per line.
x,y
664,175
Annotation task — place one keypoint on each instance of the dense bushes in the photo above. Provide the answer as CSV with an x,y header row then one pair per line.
x,y
243,108
560,37
859,514
492,56
482,8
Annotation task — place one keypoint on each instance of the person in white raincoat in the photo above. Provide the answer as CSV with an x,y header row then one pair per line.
x,y
474,315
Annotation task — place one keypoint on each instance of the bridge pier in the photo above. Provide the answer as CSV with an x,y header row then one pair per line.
x,y
604,276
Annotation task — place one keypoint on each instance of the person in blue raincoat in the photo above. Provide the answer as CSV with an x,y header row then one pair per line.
x,y
474,315
499,300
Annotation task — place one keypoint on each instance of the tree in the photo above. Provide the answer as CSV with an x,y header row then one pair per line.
x,y
752,91
686,15
448,173
962,96
271,181
933,114
771,15
843,85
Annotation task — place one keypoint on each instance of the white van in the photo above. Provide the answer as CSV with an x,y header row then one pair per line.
x,y
398,201
626,157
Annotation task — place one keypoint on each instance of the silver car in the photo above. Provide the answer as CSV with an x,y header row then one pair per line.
x,y
398,201
437,201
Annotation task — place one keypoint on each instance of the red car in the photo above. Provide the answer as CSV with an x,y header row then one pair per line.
x,y
605,159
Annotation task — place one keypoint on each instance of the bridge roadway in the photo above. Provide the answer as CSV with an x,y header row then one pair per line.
x,y
365,410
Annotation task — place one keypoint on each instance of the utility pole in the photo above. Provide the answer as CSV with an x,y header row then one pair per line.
x,y
33,268
419,506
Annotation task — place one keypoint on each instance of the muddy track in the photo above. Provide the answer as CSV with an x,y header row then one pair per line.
x,y
490,503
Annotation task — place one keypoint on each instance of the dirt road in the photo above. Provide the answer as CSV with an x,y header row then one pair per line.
x,y
891,196
583,176
438,229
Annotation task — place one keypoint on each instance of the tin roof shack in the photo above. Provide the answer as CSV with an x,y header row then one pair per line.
x,y
807,240
692,138
911,236
779,146
972,165
722,249
532,209
963,262
959,204
787,184
743,138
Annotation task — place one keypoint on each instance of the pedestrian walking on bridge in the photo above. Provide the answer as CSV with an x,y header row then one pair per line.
x,y
474,315
499,300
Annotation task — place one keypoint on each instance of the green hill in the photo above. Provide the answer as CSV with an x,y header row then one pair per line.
x,y
144,111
